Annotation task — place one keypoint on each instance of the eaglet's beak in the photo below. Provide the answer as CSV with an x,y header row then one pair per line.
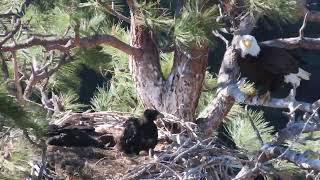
x,y
247,43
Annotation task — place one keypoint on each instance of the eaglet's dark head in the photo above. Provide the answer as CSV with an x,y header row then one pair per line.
x,y
152,114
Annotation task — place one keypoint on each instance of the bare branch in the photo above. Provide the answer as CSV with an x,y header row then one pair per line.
x,y
77,34
292,156
114,12
4,68
218,35
294,42
12,33
304,24
69,43
293,130
17,77
44,73
302,10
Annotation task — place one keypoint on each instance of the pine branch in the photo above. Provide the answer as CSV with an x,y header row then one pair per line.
x,y
114,12
65,44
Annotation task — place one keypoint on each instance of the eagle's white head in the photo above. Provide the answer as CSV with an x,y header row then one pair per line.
x,y
248,45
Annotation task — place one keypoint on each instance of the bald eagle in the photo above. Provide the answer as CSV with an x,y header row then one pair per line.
x,y
140,134
268,67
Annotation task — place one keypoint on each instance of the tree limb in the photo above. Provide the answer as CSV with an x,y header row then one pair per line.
x,y
294,42
44,73
114,12
293,130
11,33
297,158
302,10
17,78
66,44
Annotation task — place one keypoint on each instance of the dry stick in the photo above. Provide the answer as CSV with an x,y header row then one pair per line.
x,y
185,152
6,133
4,68
304,24
167,167
302,10
297,137
16,77
65,44
112,11
12,33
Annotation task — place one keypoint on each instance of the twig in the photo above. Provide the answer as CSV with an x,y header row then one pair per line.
x,y
167,167
297,137
26,135
6,133
17,78
112,11
12,33
304,24
217,34
187,151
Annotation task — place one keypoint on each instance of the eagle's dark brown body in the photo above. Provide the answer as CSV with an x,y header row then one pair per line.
x,y
268,69
140,134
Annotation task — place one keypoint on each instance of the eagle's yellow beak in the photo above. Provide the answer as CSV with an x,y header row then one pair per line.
x,y
247,43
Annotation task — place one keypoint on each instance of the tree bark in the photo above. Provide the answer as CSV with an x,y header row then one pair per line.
x,y
221,105
146,69
179,94
184,83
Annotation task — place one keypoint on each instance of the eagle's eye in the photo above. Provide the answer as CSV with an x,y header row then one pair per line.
x,y
247,43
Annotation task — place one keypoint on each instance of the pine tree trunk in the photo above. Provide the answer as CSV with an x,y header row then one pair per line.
x,y
183,87
179,94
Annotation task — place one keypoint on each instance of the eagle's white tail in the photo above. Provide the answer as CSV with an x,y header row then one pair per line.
x,y
304,74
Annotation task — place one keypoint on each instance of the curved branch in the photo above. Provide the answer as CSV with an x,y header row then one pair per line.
x,y
292,156
241,97
114,12
65,44
295,42
294,129
11,33
302,9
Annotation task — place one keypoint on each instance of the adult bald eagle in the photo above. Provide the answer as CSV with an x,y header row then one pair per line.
x,y
140,134
268,67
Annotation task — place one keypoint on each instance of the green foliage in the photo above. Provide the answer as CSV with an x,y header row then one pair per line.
x,y
12,114
284,10
194,27
308,143
16,167
166,63
70,101
241,131
207,93
120,93
248,88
